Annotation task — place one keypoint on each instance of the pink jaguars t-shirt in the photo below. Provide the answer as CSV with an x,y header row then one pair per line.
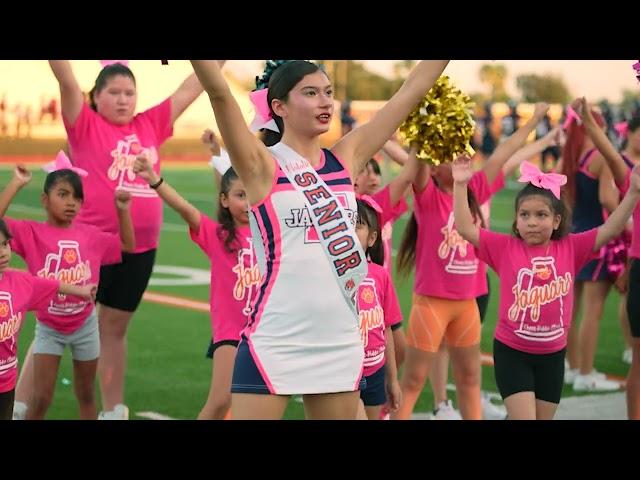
x,y
378,309
390,213
536,287
19,293
446,264
634,250
71,255
107,152
235,278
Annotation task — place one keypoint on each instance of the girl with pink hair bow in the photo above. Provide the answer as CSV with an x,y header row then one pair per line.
x,y
537,265
64,249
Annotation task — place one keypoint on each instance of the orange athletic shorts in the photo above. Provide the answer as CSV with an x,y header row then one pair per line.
x,y
433,319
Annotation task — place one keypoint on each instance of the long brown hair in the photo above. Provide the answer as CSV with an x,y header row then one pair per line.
x,y
227,229
368,216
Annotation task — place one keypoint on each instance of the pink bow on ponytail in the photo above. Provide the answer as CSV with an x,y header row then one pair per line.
x,y
106,63
373,204
529,173
62,162
263,118
622,128
571,116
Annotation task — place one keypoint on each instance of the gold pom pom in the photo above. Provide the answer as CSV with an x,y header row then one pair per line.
x,y
441,125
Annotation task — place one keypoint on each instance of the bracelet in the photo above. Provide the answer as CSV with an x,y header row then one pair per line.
x,y
156,185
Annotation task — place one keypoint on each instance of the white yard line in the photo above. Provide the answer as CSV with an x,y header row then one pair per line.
x,y
154,416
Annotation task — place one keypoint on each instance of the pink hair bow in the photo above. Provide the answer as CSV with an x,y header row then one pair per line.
x,y
636,67
622,128
529,173
62,162
106,63
373,204
571,116
263,118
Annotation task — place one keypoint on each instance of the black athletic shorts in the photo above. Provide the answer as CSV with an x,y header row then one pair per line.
x,y
122,285
518,371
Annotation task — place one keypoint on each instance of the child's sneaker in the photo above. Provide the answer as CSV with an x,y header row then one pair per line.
x,y
627,355
594,383
119,412
19,410
445,411
491,411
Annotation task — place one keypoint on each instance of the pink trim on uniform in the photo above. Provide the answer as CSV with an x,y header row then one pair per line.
x,y
275,265
327,177
256,314
356,387
586,172
583,167
281,187
323,161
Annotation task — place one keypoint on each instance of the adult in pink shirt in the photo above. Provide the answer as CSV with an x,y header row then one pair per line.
x,y
105,135
235,275
537,266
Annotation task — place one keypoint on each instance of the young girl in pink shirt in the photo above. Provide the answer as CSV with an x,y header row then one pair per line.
x,y
378,312
235,275
537,266
391,200
62,249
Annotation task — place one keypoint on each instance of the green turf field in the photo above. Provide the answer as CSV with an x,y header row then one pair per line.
x,y
167,369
